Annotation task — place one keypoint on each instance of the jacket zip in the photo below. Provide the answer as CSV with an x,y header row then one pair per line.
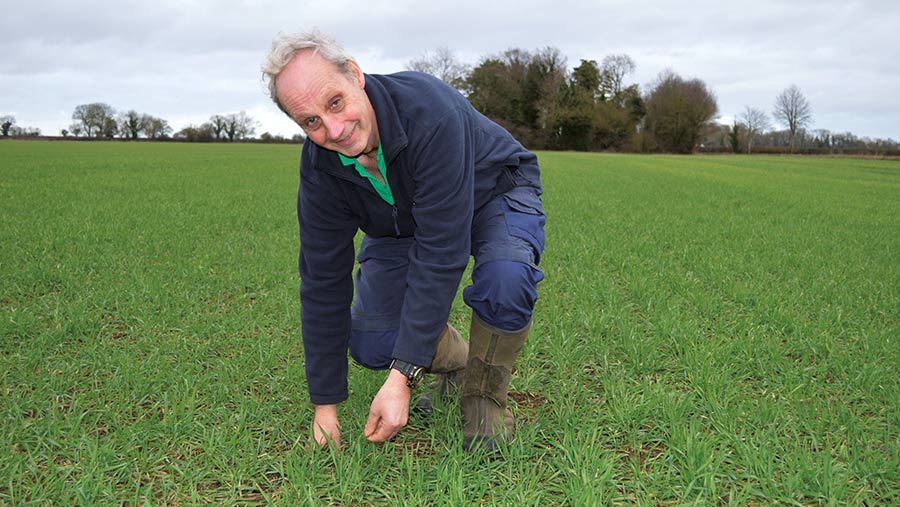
x,y
394,215
368,187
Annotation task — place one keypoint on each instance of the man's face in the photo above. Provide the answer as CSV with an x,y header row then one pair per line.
x,y
330,106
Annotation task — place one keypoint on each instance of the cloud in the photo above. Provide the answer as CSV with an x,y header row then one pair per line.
x,y
191,59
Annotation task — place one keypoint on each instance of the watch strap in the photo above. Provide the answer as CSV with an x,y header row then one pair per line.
x,y
413,372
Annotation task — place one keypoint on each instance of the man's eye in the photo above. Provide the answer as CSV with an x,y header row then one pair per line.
x,y
337,104
311,123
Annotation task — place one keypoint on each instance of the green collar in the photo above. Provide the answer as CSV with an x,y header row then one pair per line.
x,y
383,189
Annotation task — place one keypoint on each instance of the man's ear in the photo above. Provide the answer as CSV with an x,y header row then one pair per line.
x,y
357,73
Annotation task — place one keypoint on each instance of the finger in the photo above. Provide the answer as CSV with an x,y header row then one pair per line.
x,y
337,440
325,441
319,437
371,424
323,436
381,435
384,432
375,433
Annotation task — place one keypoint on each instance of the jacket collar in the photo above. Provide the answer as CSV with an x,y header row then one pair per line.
x,y
390,130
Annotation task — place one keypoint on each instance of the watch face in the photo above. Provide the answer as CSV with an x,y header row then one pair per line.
x,y
417,375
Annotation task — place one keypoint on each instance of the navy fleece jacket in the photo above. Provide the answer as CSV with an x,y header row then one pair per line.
x,y
445,160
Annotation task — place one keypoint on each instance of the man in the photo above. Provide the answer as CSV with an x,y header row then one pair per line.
x,y
406,159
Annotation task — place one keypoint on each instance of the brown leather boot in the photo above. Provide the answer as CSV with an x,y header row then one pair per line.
x,y
448,365
483,403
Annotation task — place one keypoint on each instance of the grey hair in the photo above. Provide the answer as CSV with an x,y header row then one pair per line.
x,y
285,46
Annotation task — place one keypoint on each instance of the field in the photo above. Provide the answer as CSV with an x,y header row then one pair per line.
x,y
713,330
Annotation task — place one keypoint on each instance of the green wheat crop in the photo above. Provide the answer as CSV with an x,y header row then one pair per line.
x,y
712,330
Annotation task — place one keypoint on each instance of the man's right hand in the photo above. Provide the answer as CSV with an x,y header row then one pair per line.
x,y
326,426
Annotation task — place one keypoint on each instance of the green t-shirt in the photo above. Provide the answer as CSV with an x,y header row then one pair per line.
x,y
383,189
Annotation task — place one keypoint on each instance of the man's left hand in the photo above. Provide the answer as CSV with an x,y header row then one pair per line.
x,y
390,409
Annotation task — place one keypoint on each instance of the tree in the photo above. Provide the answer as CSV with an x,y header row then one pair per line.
x,y
822,138
587,77
268,137
131,124
793,111
6,123
496,89
203,133
239,126
545,75
154,128
95,120
614,127
613,71
715,136
17,131
109,129
545,79
572,119
734,137
521,90
570,122
218,123
442,63
677,110
756,121
631,100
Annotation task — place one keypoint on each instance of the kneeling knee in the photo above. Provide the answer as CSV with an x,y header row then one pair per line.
x,y
504,293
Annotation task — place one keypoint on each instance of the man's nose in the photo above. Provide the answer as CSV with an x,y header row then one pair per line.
x,y
333,127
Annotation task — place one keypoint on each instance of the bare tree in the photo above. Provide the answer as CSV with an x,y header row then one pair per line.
x,y
6,123
442,63
155,128
239,126
792,110
756,121
613,71
97,119
218,123
17,131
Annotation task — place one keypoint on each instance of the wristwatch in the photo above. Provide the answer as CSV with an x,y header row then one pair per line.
x,y
413,373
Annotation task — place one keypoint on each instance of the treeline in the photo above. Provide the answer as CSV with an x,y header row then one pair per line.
x,y
535,96
101,121
8,128
594,108
591,108
735,139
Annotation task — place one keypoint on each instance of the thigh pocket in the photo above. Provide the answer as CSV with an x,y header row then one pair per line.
x,y
525,217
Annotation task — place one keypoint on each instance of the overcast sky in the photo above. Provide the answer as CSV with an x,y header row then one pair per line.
x,y
185,60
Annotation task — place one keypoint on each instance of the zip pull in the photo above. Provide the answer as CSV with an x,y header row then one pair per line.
x,y
394,215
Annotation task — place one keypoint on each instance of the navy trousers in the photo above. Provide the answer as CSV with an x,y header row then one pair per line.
x,y
507,242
